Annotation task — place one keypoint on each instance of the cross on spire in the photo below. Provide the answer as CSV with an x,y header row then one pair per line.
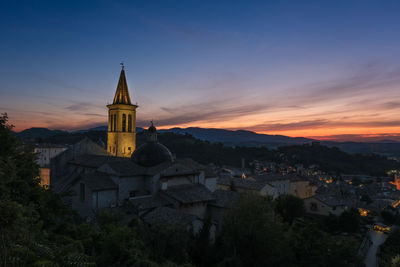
x,y
122,93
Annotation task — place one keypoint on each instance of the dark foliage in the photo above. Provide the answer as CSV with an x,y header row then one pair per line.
x,y
289,207
389,253
349,221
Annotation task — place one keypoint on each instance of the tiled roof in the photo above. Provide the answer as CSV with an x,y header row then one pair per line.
x,y
273,177
64,184
178,169
330,200
168,216
190,163
248,183
189,193
48,145
150,202
98,181
95,161
130,168
224,198
127,168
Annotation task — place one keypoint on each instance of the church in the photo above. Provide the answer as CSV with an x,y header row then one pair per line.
x,y
148,180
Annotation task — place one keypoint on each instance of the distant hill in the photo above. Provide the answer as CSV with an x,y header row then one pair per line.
x,y
239,137
226,137
99,128
386,148
33,133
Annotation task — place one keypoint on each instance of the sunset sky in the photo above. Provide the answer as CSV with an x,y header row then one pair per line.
x,y
322,69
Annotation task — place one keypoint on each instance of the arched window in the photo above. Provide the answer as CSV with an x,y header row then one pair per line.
x,y
130,123
115,123
124,122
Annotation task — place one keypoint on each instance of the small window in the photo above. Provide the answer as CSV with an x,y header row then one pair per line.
x,y
124,122
130,123
82,192
94,200
114,123
129,148
164,186
314,206
132,194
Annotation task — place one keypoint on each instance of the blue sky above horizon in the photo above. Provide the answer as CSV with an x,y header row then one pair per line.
x,y
325,69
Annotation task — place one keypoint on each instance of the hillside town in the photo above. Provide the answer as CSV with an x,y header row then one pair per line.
x,y
151,184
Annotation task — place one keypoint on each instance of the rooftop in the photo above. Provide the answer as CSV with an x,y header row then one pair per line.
x,y
224,198
95,161
189,193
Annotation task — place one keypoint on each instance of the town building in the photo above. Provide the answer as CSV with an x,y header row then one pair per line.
x,y
272,185
121,134
321,204
46,152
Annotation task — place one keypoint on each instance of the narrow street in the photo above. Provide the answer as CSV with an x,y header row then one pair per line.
x,y
377,239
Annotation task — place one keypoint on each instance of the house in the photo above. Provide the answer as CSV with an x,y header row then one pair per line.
x,y
320,204
46,152
301,187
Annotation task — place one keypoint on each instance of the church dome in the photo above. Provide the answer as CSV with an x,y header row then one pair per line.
x,y
152,152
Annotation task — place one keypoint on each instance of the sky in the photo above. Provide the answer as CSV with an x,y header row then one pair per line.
x,y
323,69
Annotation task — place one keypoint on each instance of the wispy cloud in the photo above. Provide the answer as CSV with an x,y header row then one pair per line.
x,y
360,137
321,123
80,106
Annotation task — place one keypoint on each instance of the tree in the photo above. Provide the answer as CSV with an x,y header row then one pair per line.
x,y
252,236
289,207
349,221
390,250
313,247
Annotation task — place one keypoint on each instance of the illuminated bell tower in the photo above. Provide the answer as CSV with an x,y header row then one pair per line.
x,y
121,135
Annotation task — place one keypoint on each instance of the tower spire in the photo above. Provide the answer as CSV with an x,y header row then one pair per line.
x,y
122,93
121,134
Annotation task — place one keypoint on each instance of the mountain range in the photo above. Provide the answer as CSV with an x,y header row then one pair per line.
x,y
240,138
